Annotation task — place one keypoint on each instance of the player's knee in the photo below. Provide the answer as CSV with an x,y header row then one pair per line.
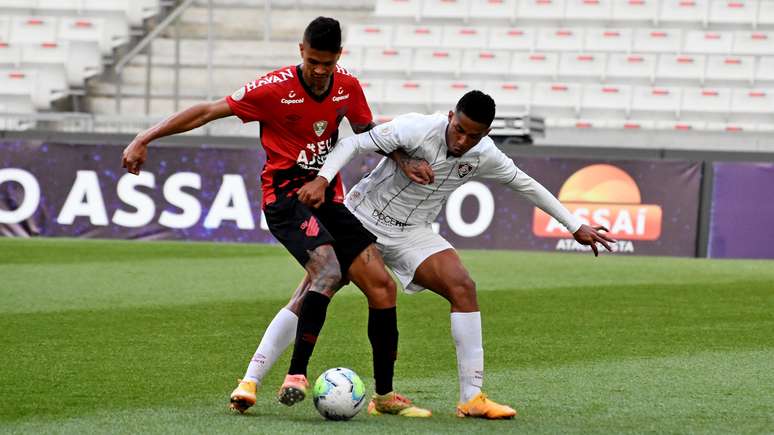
x,y
382,293
463,296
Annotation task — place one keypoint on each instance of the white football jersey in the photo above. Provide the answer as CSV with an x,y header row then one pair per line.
x,y
393,201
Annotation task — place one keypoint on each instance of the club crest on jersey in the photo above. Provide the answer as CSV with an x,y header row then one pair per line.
x,y
464,169
319,127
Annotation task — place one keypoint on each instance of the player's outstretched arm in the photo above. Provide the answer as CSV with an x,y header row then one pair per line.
x,y
193,117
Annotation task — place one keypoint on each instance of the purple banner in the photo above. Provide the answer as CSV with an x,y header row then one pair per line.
x,y
742,213
214,194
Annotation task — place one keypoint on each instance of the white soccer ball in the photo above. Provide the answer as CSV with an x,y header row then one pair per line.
x,y
339,394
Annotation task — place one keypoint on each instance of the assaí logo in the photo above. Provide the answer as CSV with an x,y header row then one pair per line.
x,y
604,195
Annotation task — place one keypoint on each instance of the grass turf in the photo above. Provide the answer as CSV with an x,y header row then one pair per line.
x,y
131,337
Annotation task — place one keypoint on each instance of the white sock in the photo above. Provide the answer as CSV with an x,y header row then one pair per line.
x,y
466,331
279,334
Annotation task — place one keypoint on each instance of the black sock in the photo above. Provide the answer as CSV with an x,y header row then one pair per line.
x,y
383,333
310,322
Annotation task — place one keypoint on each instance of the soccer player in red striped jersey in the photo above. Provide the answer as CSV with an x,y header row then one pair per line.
x,y
300,108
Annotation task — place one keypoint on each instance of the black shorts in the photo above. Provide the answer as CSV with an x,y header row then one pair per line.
x,y
302,229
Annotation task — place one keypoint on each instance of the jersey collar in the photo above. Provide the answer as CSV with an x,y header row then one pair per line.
x,y
308,90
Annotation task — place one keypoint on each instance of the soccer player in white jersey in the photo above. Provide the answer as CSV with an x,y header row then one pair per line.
x,y
400,213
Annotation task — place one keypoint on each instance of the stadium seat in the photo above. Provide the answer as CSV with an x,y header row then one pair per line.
x,y
444,10
400,9
708,42
38,87
764,71
705,103
5,27
737,69
486,63
32,30
446,93
436,62
511,97
556,99
589,10
463,37
657,41
655,102
736,12
407,95
605,101
683,12
766,13
589,66
107,32
136,11
493,10
418,36
78,60
512,38
755,43
635,12
755,104
607,39
680,68
373,90
534,65
369,35
387,60
540,10
352,59
10,55
631,67
559,39
682,125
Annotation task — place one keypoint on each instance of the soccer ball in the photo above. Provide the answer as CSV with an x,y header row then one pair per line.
x,y
339,394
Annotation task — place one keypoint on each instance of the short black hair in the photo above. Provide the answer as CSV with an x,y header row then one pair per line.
x,y
324,34
477,106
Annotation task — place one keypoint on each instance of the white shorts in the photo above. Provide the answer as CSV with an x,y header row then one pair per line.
x,y
404,251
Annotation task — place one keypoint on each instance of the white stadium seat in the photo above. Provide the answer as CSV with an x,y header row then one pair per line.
x,y
705,103
510,96
755,42
5,28
447,93
372,88
418,36
352,59
512,38
10,55
709,42
559,39
136,11
405,9
541,10
680,67
655,102
39,88
582,65
589,10
631,67
407,95
738,69
635,11
436,62
78,60
369,35
683,12
493,10
737,12
657,41
605,100
464,37
607,39
556,99
105,31
766,13
486,63
387,60
757,103
534,65
32,29
764,71
444,9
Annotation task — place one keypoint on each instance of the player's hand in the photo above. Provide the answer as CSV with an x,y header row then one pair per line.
x,y
417,170
590,236
313,193
134,156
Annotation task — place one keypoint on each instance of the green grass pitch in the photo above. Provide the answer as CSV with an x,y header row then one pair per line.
x,y
133,337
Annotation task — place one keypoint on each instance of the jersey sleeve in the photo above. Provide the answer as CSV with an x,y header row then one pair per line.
x,y
405,131
359,113
250,102
499,167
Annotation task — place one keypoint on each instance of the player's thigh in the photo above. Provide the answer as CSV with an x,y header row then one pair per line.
x,y
370,275
444,274
351,238
296,227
